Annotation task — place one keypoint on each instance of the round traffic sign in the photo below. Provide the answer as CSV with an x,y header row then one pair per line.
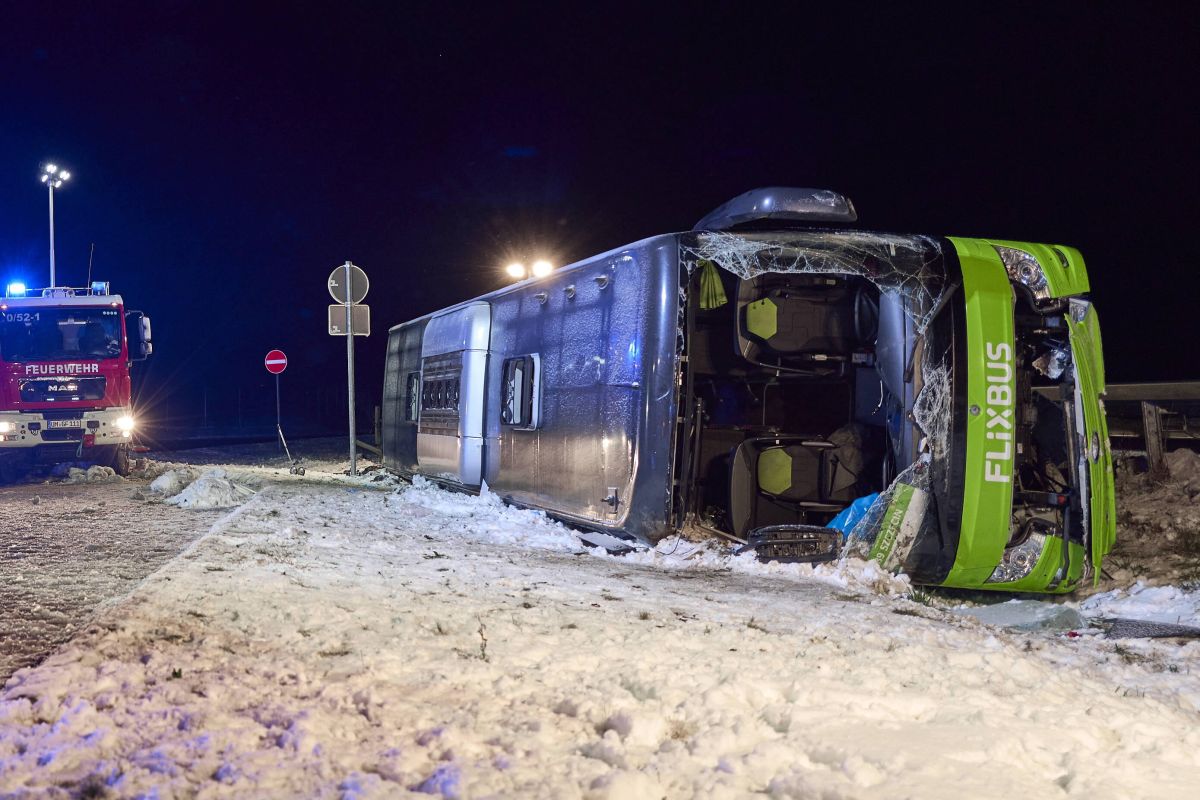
x,y
275,362
358,283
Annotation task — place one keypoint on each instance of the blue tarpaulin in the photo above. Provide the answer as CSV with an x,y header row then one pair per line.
x,y
852,514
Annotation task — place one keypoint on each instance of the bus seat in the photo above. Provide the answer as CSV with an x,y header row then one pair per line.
x,y
796,317
777,480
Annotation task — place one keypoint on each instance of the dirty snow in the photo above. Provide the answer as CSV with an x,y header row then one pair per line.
x,y
1152,603
852,573
172,482
1184,469
1158,527
216,488
93,474
329,638
1027,615
67,550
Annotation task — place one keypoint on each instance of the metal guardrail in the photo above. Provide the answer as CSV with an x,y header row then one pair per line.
x,y
370,448
1159,391
1157,414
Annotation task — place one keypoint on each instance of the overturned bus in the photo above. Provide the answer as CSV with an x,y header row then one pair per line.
x,y
764,374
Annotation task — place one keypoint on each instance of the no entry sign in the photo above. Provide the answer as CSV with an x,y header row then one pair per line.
x,y
275,362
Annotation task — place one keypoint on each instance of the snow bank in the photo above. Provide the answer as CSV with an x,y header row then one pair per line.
x,y
1026,615
491,518
849,573
1158,525
1184,467
487,516
214,489
93,474
173,481
1152,603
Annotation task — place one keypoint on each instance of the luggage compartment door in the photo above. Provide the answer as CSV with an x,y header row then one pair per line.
x,y
454,357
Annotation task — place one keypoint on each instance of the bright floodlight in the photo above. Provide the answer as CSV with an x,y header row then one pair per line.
x,y
542,268
54,177
516,270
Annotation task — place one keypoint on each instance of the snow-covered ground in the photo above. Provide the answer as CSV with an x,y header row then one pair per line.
x,y
68,548
342,637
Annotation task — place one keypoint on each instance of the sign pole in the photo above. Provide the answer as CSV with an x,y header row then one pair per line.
x,y
276,363
278,418
350,367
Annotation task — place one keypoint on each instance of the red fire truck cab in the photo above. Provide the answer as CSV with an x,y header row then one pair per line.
x,y
65,392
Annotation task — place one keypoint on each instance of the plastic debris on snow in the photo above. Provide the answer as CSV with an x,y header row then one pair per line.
x,y
216,488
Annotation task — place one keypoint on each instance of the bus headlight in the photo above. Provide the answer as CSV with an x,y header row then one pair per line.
x,y
6,427
1023,268
125,423
1019,561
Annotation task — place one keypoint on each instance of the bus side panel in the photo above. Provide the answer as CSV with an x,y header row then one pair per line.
x,y
583,443
454,357
650,511
594,458
402,397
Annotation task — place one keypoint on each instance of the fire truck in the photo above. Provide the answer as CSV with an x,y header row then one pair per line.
x,y
65,389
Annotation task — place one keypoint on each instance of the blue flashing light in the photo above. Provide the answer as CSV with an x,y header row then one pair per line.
x,y
15,289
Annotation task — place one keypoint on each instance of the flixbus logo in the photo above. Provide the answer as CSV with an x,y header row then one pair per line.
x,y
998,451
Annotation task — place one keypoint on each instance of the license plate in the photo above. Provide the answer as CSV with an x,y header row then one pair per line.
x,y
64,423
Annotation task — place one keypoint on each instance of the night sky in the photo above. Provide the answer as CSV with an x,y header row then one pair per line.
x,y
228,156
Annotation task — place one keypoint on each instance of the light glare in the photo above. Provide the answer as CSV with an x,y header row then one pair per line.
x,y
51,169
125,423
516,270
542,268
64,175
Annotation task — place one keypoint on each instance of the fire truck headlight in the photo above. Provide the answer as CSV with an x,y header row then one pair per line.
x,y
125,423
5,427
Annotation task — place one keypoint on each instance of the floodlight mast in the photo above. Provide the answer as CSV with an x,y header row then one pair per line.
x,y
53,177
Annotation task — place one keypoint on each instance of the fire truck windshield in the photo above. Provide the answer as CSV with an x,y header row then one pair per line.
x,y
49,334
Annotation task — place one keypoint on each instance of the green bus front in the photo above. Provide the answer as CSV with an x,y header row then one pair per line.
x,y
1027,490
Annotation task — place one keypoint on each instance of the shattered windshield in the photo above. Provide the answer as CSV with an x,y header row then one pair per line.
x,y
54,334
907,265
909,268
